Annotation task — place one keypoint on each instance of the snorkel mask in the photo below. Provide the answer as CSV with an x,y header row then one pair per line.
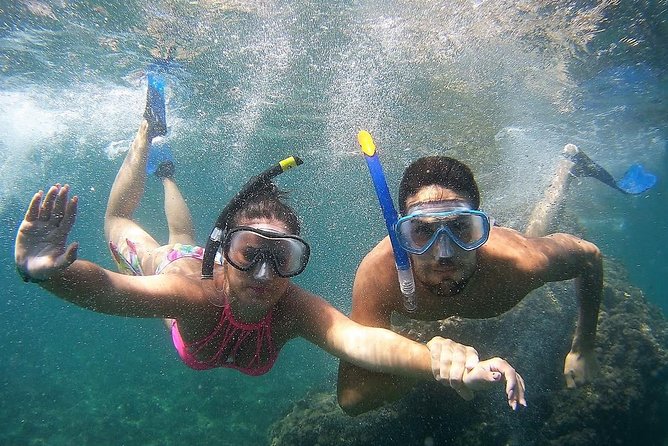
x,y
465,227
246,246
220,230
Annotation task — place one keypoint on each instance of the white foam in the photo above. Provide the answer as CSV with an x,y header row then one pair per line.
x,y
38,123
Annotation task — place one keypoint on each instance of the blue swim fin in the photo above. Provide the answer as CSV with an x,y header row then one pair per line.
x,y
636,180
155,105
160,159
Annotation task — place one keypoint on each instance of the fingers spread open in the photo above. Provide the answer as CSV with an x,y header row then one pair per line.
x,y
69,214
69,256
48,203
33,208
59,205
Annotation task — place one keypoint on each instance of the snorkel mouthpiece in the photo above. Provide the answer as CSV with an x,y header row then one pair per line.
x,y
401,260
254,185
366,143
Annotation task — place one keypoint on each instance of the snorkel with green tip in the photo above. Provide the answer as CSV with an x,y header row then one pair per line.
x,y
401,260
254,185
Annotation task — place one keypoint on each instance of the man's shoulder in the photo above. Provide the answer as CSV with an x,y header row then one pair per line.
x,y
506,234
505,241
507,248
379,258
376,287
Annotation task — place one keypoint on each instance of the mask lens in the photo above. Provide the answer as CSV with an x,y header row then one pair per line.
x,y
246,246
468,229
290,256
416,234
243,249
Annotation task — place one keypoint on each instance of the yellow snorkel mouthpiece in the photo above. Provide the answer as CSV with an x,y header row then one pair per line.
x,y
366,143
289,163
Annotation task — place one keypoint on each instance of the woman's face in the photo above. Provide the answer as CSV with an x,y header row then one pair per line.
x,y
254,292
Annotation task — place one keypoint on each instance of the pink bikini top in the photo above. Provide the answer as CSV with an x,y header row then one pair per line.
x,y
231,336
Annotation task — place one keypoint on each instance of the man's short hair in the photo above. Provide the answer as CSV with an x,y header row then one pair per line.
x,y
440,171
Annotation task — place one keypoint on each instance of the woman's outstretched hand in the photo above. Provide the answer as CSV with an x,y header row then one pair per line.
x,y
450,361
41,243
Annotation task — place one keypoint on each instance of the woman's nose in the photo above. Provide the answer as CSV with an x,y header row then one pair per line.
x,y
262,271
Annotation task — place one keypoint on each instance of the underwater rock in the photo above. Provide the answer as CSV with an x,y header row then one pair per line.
x,y
626,404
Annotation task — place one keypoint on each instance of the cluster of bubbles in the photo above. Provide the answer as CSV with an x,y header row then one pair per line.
x,y
266,78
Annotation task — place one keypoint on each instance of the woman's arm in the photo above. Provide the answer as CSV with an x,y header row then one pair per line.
x,y
374,349
360,390
381,350
90,286
374,298
43,256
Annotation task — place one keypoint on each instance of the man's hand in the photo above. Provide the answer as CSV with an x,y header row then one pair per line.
x,y
580,368
449,363
458,366
491,371
41,243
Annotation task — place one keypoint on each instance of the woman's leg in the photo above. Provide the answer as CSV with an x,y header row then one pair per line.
x,y
178,219
180,222
124,198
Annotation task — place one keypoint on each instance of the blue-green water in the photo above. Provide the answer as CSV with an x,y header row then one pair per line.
x,y
499,85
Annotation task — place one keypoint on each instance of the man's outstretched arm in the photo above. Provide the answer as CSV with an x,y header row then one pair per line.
x,y
570,257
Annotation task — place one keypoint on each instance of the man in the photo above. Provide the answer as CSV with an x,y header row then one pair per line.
x,y
464,266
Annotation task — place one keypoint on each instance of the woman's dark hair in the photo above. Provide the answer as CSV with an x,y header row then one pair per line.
x,y
440,171
267,203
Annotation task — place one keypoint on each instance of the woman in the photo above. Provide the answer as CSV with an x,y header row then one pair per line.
x,y
243,316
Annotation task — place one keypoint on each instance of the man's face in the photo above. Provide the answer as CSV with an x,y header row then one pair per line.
x,y
445,267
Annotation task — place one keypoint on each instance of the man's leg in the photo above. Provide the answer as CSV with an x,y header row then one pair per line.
x,y
545,213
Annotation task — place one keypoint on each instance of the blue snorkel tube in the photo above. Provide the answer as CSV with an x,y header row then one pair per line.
x,y
401,260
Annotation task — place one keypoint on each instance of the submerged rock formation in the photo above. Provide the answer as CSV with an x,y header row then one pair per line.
x,y
626,404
